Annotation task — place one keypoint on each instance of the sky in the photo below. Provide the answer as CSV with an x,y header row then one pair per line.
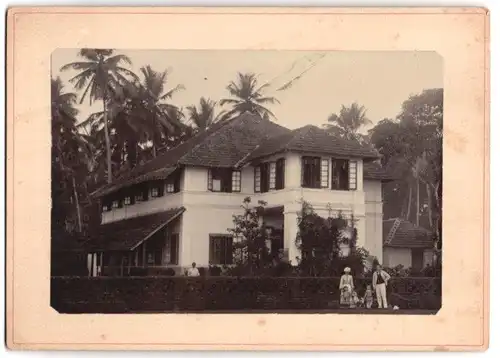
x,y
380,81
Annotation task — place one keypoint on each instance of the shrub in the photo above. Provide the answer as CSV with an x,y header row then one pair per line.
x,y
179,293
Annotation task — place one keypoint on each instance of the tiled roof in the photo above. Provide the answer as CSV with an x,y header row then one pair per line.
x,y
223,144
125,235
375,171
237,141
406,235
162,173
313,140
231,143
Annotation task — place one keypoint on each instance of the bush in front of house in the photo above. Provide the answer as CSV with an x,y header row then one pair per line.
x,y
186,294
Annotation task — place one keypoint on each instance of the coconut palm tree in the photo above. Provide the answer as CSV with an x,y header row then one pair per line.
x,y
203,116
101,74
164,117
71,154
348,122
247,96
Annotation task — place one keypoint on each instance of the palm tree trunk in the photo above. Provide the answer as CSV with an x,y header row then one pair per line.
x,y
77,204
408,210
417,212
106,136
429,205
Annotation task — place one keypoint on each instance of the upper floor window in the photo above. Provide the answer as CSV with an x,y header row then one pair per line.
x,y
154,192
224,180
156,189
280,174
170,188
127,200
173,184
314,172
344,174
269,176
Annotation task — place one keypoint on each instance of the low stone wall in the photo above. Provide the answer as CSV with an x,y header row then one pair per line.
x,y
195,294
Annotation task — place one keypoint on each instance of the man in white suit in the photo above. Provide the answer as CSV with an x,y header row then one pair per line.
x,y
379,283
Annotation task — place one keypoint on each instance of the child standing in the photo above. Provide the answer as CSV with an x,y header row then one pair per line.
x,y
368,298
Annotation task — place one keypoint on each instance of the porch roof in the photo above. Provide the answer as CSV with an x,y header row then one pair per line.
x,y
126,235
400,233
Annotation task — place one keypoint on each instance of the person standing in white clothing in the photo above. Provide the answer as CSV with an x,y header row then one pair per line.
x,y
379,283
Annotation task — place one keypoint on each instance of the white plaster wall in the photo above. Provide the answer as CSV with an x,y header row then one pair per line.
x,y
199,221
195,179
153,205
374,218
397,256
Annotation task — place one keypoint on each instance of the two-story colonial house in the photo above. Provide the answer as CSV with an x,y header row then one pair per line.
x,y
177,208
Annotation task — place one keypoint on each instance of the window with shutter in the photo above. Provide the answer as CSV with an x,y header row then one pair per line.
x,y
311,172
353,175
324,173
264,177
257,179
272,176
280,174
210,184
220,180
340,174
236,181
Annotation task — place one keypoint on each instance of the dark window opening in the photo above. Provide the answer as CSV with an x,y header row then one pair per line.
x,y
340,174
264,177
221,250
220,180
280,174
311,172
172,250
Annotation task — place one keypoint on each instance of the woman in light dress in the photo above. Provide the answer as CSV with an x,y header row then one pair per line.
x,y
346,289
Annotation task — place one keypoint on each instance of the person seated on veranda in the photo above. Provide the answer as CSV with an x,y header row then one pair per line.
x,y
193,271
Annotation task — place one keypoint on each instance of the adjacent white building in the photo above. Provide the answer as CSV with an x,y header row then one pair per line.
x,y
177,208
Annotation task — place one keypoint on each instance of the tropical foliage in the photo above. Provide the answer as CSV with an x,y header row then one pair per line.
x,y
248,96
319,240
348,122
412,145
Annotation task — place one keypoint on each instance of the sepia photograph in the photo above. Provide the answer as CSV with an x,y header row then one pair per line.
x,y
316,179
225,181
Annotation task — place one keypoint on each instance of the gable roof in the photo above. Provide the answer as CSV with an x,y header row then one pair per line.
x,y
314,140
223,144
404,234
231,143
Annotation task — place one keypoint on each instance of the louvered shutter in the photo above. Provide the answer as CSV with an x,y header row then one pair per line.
x,y
272,176
353,174
257,179
324,173
210,182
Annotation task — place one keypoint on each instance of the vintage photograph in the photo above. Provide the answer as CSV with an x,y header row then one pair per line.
x,y
243,181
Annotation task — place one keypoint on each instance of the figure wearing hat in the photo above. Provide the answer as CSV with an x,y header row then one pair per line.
x,y
346,288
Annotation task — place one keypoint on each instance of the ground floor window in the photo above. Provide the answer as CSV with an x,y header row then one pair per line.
x,y
171,252
221,250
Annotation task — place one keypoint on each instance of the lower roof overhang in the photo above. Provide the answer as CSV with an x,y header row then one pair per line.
x,y
127,235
